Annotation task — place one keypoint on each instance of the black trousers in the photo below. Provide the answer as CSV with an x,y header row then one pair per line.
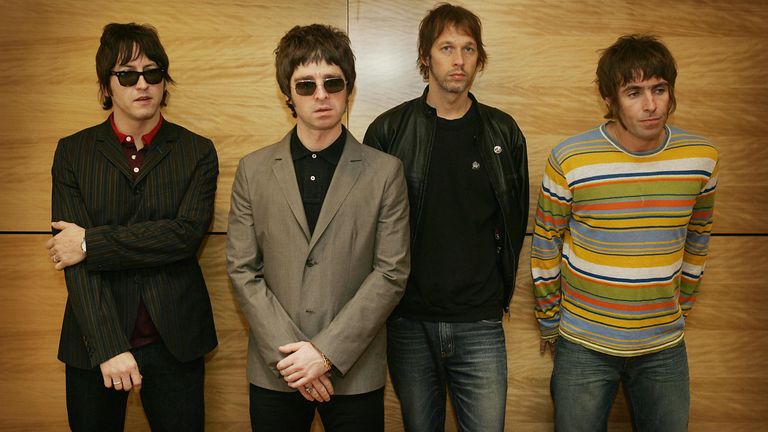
x,y
274,411
172,393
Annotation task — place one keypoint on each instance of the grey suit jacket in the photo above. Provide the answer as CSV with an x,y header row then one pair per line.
x,y
335,287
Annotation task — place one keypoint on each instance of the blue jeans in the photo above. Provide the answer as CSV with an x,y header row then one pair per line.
x,y
172,394
469,359
584,385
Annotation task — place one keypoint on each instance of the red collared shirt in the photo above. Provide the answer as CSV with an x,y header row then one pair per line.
x,y
135,157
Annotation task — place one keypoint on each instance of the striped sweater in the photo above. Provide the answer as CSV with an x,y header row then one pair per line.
x,y
621,239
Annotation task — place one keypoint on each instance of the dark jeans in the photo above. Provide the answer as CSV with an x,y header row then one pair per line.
x,y
171,392
585,382
275,411
469,359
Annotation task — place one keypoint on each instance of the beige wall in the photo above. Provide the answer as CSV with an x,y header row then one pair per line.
x,y
542,60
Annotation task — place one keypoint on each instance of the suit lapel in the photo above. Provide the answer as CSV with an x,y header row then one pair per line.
x,y
110,149
161,146
286,179
345,176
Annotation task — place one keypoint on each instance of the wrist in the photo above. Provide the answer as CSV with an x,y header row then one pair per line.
x,y
327,364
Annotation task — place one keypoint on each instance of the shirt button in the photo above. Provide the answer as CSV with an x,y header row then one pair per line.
x,y
133,157
312,178
128,138
136,170
314,156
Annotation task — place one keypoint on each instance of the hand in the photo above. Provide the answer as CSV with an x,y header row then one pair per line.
x,y
303,365
64,248
552,344
319,390
121,372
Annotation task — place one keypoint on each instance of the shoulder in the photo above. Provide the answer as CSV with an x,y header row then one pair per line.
x,y
392,115
580,143
266,153
184,134
85,136
692,143
377,157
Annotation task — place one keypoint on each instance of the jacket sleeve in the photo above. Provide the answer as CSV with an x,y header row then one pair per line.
x,y
359,321
697,242
553,212
267,319
94,307
159,242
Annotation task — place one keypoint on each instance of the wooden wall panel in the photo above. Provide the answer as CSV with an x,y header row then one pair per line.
x,y
221,57
727,360
542,60
541,70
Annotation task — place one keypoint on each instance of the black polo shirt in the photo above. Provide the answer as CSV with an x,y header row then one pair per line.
x,y
314,172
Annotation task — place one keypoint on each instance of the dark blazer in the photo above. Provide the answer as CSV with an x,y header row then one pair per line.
x,y
334,287
142,237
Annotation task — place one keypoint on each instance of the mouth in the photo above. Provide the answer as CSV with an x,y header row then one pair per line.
x,y
143,99
650,121
322,110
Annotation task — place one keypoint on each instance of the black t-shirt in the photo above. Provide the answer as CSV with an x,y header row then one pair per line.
x,y
455,270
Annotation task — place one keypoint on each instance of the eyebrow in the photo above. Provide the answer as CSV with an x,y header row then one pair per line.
x,y
640,87
325,77
150,66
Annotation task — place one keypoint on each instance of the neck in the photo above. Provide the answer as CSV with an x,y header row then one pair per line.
x,y
317,140
634,143
449,106
136,128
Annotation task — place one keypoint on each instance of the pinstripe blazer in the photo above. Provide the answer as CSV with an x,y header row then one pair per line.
x,y
334,287
142,236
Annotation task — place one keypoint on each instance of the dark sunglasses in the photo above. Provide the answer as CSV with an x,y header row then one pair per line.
x,y
331,85
130,78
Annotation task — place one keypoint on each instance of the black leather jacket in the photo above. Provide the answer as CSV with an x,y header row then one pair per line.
x,y
407,131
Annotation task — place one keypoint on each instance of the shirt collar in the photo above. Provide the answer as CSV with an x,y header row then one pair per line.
x,y
331,154
146,139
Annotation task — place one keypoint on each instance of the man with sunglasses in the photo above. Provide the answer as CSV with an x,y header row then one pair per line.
x,y
467,176
317,250
132,200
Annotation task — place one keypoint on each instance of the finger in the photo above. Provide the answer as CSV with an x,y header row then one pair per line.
x,y
136,380
326,381
322,392
107,380
117,383
284,363
288,370
306,395
296,380
126,380
289,348
59,225
49,244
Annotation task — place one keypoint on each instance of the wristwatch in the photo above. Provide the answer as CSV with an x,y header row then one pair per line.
x,y
82,246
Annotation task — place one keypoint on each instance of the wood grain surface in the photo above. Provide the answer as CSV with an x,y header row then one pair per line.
x,y
542,57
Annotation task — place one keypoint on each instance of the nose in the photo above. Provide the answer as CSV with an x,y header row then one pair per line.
x,y
458,57
649,102
320,92
141,83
